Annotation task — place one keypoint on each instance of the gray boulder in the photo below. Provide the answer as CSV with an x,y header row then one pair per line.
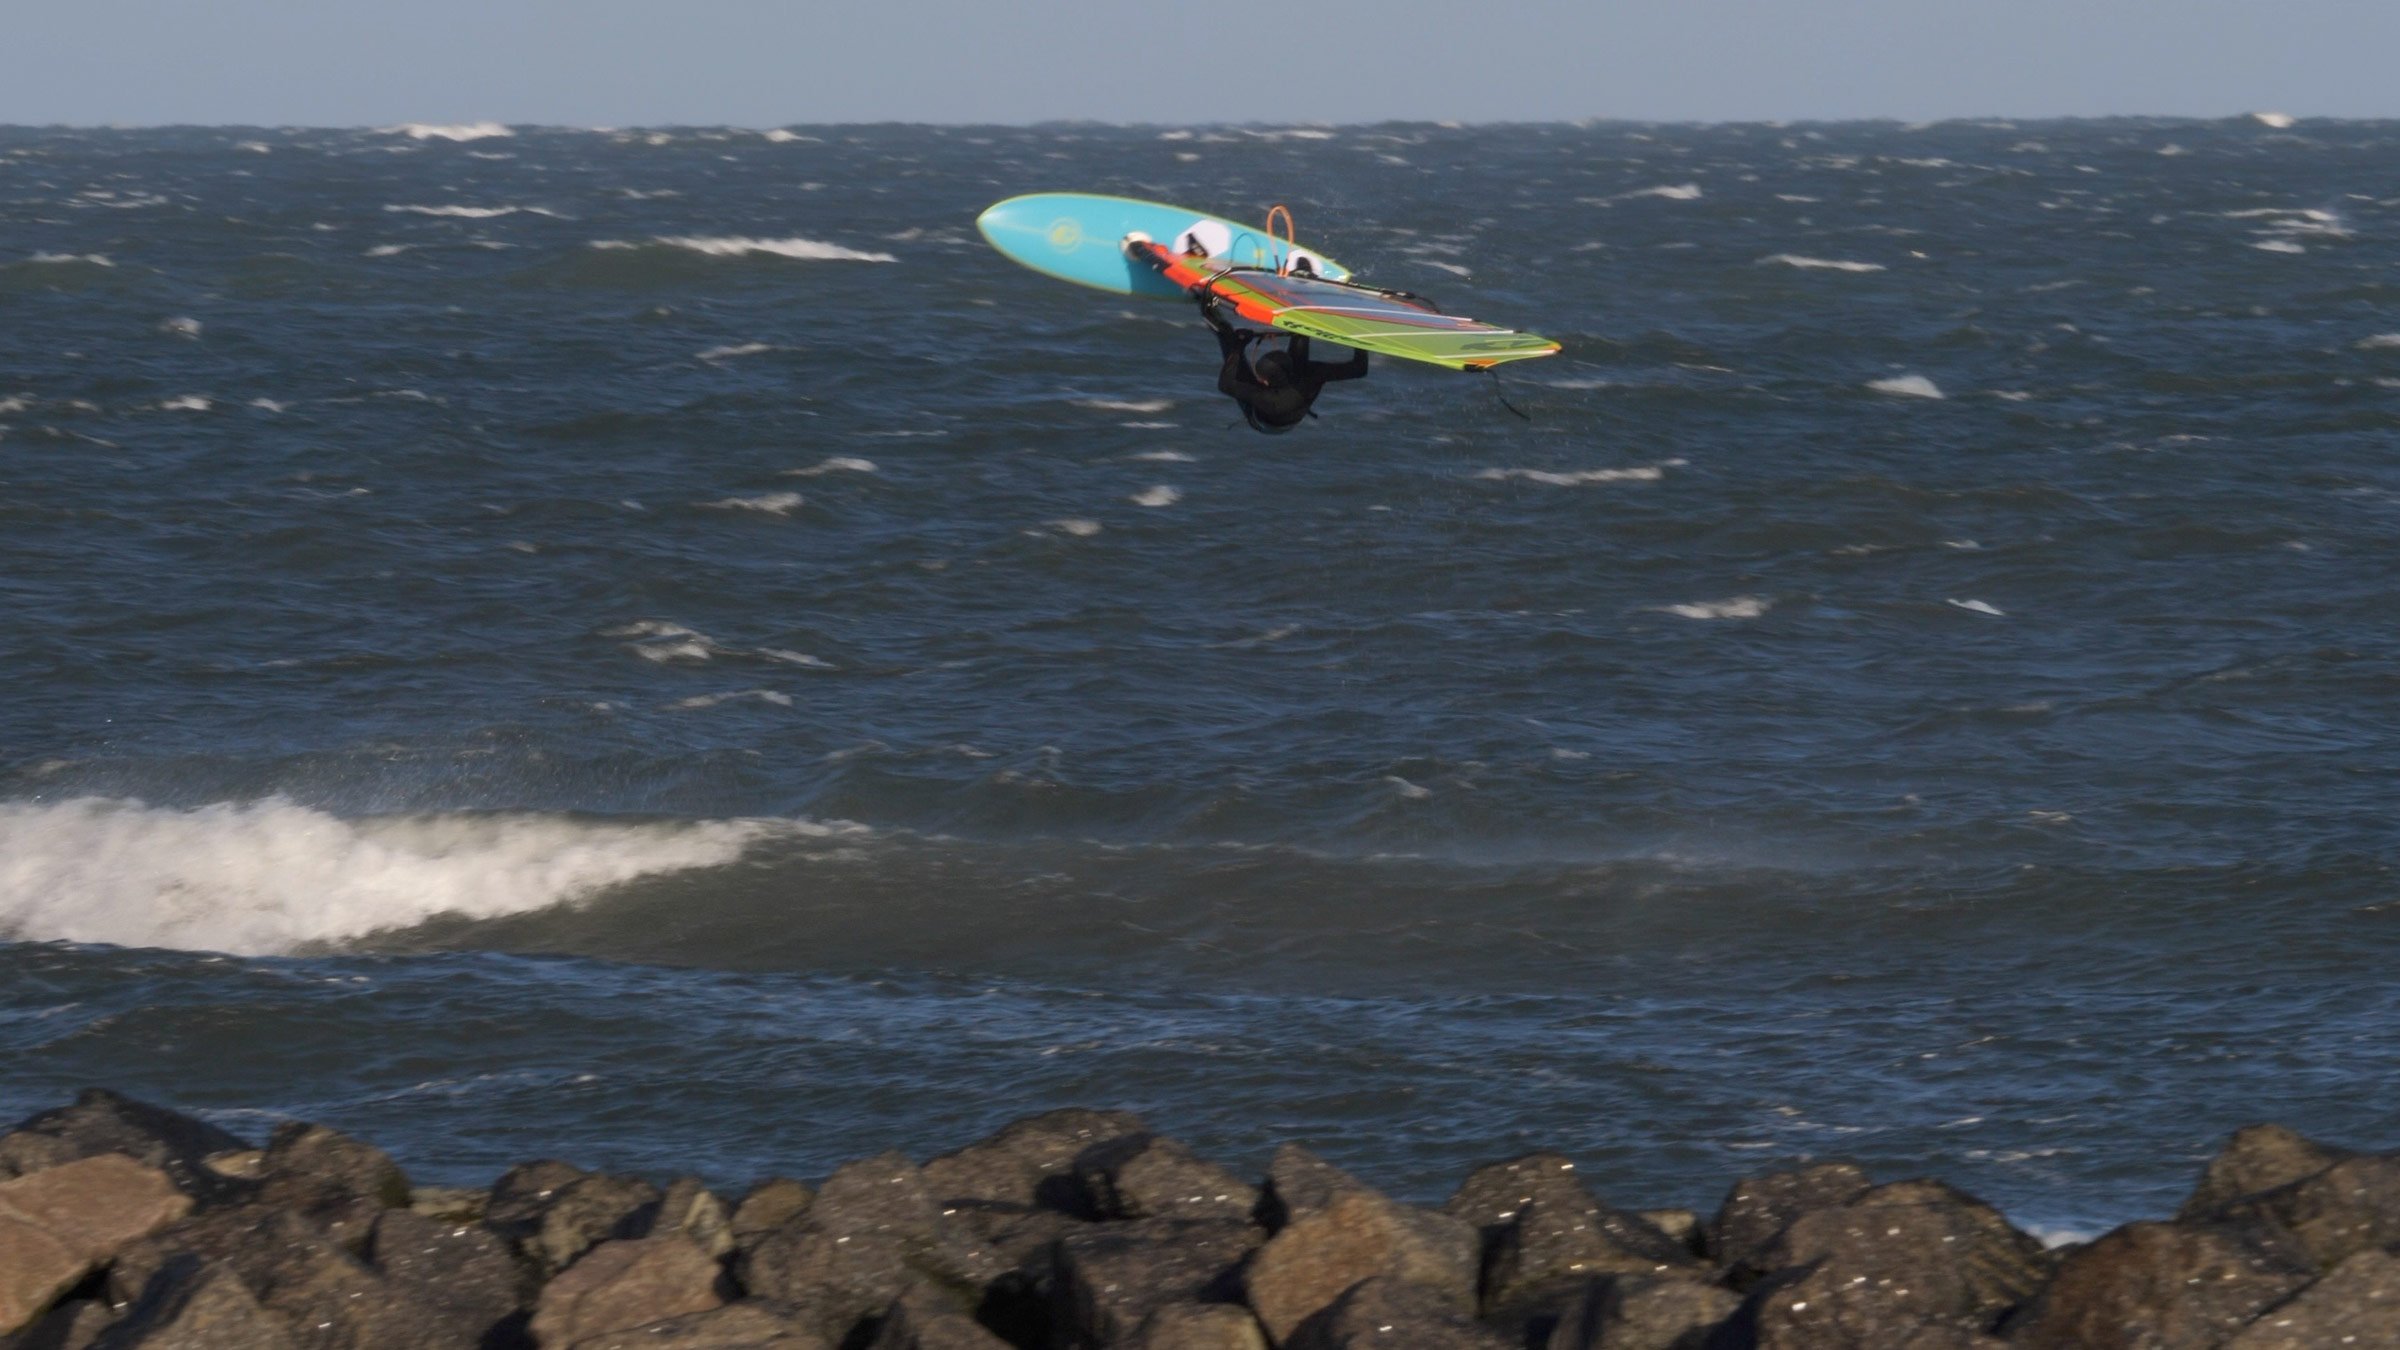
x,y
751,1324
765,1207
1557,1242
1356,1234
1910,1259
924,1319
329,1178
1382,1313
1200,1326
1030,1162
1148,1176
101,1121
1109,1278
2156,1286
322,1294
1758,1209
872,1231
462,1275
2331,1215
625,1283
1635,1312
2257,1158
2355,1306
690,1208
194,1304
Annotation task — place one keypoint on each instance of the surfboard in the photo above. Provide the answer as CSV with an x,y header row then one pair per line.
x,y
1393,323
1080,237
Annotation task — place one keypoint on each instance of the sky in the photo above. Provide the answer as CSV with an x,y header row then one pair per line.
x,y
759,64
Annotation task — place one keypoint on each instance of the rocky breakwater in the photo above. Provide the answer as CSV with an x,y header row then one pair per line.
x,y
124,1225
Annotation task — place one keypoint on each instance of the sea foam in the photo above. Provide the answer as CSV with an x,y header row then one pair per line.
x,y
469,131
271,876
1824,264
735,246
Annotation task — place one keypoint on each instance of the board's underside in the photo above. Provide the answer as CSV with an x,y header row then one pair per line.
x,y
1354,316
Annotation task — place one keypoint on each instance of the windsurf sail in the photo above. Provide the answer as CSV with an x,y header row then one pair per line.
x,y
1392,323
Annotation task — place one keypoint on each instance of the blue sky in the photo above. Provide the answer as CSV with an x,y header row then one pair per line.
x,y
750,63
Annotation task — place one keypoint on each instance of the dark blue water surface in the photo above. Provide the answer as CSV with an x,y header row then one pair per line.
x,y
660,648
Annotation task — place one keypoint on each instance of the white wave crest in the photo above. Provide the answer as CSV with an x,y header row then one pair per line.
x,y
264,877
740,349
1980,607
468,131
771,503
1739,607
2279,246
1147,405
1160,495
735,246
833,464
1640,473
1907,386
1825,264
2378,342
2279,121
95,259
474,212
1674,192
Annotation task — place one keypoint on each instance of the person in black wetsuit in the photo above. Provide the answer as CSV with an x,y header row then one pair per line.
x,y
1274,387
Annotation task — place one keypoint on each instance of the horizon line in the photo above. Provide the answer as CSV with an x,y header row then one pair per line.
x,y
2268,118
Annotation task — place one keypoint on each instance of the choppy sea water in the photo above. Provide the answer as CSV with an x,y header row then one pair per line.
x,y
659,648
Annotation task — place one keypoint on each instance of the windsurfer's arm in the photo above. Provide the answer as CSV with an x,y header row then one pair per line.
x,y
1352,369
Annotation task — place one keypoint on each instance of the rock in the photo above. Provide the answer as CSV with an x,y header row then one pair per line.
x,y
1758,1209
1148,1176
460,1274
1300,1183
2355,1306
869,1233
96,1205
331,1179
321,1293
1387,1314
1110,1277
192,1304
585,1212
523,1194
767,1206
35,1268
2154,1286
457,1204
1360,1234
1562,1238
690,1208
101,1121
60,1223
72,1325
1908,1258
241,1164
752,1324
2331,1215
1492,1194
2257,1158
1682,1226
1030,1162
1200,1326
622,1283
923,1320
1634,1312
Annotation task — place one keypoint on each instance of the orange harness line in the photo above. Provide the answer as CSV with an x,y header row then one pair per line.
x,y
1290,238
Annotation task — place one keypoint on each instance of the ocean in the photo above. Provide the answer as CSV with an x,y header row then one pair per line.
x,y
659,648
